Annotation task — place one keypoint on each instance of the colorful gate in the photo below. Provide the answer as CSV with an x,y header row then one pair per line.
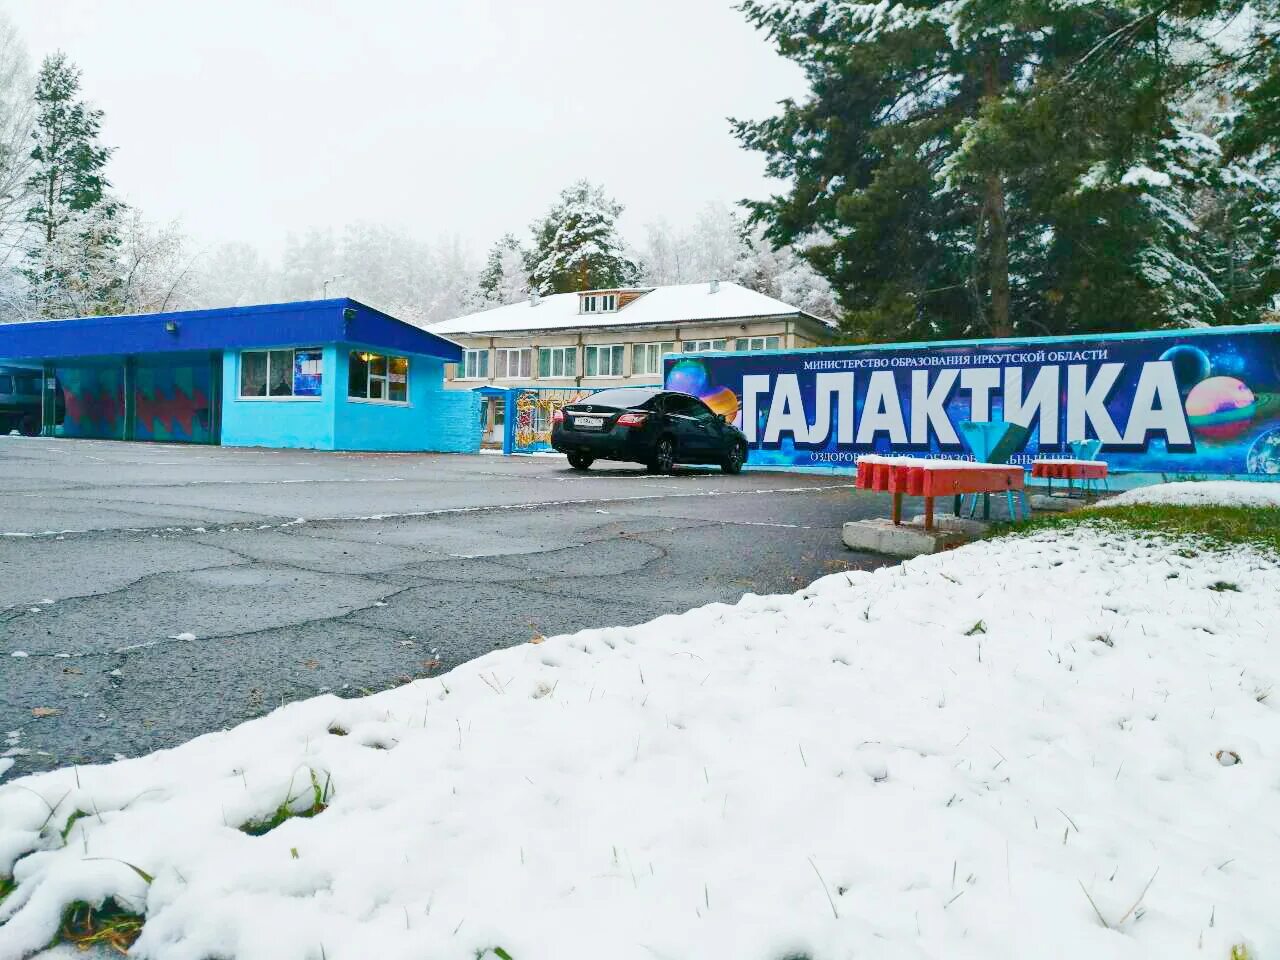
x,y
529,430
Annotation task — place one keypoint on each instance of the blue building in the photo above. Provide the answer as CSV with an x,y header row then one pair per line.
x,y
323,375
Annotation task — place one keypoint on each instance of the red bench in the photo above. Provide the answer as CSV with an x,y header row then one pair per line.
x,y
918,477
1086,471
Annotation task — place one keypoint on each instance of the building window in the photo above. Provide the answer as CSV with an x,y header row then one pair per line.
x,y
514,363
758,343
373,376
282,373
600,303
604,361
646,358
475,364
558,361
701,346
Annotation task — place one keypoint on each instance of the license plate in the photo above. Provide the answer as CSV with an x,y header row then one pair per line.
x,y
588,423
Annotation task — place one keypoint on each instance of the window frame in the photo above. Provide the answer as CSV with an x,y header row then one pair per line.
x,y
656,348
569,368
622,361
502,363
608,303
292,395
476,353
746,343
367,357
704,346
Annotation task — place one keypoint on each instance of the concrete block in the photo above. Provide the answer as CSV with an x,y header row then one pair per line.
x,y
1040,501
970,529
907,540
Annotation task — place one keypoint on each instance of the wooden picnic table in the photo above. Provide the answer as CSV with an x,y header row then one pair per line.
x,y
921,477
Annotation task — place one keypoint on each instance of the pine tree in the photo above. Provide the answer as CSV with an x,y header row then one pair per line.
x,y
70,263
576,245
1245,213
863,155
994,166
1255,85
503,278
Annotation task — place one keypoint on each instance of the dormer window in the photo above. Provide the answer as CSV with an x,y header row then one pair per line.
x,y
599,302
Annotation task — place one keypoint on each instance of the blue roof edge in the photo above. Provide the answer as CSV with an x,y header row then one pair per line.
x,y
282,324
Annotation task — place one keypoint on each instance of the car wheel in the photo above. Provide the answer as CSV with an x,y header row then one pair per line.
x,y
734,459
29,426
581,461
664,456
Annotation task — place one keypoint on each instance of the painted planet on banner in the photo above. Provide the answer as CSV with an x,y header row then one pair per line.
x,y
1220,408
688,376
724,402
1190,365
1264,455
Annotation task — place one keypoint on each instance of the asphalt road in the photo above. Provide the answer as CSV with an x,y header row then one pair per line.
x,y
151,593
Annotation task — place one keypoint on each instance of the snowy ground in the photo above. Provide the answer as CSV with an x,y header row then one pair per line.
x,y
1023,748
1231,493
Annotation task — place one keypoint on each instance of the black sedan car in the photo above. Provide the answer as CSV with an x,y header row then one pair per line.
x,y
658,428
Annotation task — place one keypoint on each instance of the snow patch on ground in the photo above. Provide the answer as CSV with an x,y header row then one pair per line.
x,y
1013,749
1207,493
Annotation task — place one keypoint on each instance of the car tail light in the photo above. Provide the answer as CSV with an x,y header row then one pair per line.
x,y
632,419
557,415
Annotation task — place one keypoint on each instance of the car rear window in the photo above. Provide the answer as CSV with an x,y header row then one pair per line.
x,y
622,399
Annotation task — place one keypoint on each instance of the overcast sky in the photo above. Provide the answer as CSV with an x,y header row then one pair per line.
x,y
248,119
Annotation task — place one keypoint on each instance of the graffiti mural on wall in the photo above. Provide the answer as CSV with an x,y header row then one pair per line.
x,y
95,402
534,410
172,403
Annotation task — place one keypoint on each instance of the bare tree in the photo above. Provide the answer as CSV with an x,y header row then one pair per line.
x,y
157,273
16,113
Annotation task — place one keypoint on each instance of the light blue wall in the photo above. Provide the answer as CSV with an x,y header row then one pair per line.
x,y
305,422
434,419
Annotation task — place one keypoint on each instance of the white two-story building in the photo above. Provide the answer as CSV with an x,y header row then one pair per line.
x,y
573,342
604,338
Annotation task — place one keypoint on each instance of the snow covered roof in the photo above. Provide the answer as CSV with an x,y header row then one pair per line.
x,y
680,303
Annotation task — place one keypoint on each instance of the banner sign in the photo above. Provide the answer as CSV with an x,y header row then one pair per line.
x,y
1194,401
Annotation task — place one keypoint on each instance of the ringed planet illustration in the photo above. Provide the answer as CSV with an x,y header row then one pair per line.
x,y
1220,408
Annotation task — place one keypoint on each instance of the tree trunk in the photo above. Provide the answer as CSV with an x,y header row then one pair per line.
x,y
998,227
998,254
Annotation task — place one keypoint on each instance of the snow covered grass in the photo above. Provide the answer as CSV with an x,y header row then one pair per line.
x,y
1059,744
1205,493
1223,514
